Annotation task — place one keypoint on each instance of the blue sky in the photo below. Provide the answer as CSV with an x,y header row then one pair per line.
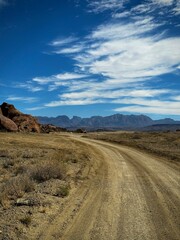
x,y
85,58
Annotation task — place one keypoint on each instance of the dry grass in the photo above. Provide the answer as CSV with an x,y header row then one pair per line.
x,y
36,168
15,188
26,220
165,144
48,170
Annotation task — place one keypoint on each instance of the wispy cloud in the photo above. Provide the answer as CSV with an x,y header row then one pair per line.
x,y
176,98
35,108
29,86
69,50
62,41
147,110
118,62
104,5
176,9
76,102
58,79
67,45
150,7
111,94
70,76
163,2
121,14
22,99
125,52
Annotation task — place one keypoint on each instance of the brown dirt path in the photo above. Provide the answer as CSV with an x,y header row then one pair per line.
x,y
132,196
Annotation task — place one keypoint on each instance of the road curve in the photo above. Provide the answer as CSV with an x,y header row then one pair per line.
x,y
132,196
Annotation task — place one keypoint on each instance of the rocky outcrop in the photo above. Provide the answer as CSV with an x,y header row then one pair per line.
x,y
26,123
47,128
9,111
7,124
13,120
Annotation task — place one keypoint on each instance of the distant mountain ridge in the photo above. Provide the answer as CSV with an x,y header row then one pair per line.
x,y
116,121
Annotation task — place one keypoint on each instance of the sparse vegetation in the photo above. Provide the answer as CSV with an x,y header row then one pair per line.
x,y
15,188
26,220
48,170
165,144
63,191
37,172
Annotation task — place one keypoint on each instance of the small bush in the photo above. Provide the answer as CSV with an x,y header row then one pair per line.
x,y
28,154
26,220
48,170
8,163
63,191
16,187
21,169
136,137
4,153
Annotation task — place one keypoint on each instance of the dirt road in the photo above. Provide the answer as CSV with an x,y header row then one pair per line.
x,y
129,196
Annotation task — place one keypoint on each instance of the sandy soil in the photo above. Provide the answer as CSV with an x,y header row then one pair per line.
x,y
128,195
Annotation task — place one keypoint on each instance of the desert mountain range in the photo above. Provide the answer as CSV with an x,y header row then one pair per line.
x,y
113,122
12,119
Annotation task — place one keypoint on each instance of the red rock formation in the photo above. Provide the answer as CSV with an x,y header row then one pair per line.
x,y
47,128
24,122
7,124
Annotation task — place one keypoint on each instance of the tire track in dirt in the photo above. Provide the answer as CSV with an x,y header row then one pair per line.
x,y
132,196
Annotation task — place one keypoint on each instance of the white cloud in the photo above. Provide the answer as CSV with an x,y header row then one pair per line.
x,y
35,108
143,8
149,102
29,86
110,94
119,61
70,50
63,41
57,78
176,98
122,14
44,80
114,6
123,52
163,2
176,9
123,30
72,102
22,99
70,76
147,110
104,5
92,96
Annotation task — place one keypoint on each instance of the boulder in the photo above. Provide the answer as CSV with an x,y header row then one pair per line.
x,y
9,111
7,124
31,201
47,128
24,122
